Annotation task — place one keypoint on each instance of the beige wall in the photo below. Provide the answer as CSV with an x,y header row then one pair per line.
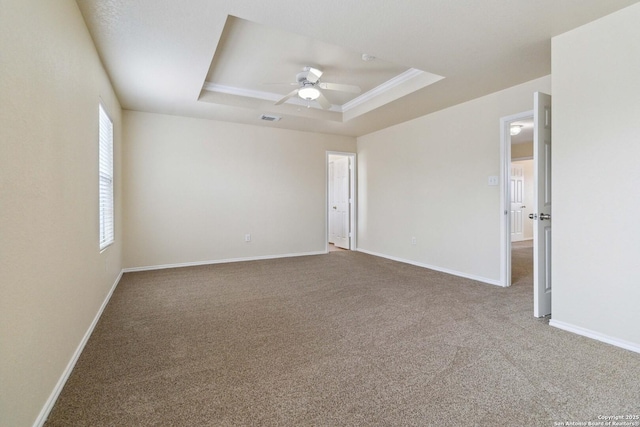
x,y
53,277
195,187
522,150
427,178
596,147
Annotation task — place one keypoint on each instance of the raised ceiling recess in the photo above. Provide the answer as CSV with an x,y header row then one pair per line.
x,y
257,67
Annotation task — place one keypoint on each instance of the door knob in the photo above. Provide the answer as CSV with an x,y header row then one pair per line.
x,y
533,216
544,216
335,207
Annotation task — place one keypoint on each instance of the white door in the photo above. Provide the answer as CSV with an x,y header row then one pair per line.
x,y
340,207
331,212
516,190
542,205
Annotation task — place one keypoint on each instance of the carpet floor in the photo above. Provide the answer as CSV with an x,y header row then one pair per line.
x,y
334,340
522,264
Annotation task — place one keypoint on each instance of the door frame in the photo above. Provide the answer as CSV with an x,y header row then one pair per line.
x,y
352,190
505,177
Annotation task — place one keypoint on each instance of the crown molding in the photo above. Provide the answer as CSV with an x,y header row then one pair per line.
x,y
368,96
265,96
250,93
384,87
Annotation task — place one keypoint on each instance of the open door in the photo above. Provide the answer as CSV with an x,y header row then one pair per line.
x,y
542,205
331,194
340,207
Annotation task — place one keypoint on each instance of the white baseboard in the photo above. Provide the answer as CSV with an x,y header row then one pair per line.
x,y
218,261
432,267
595,335
48,406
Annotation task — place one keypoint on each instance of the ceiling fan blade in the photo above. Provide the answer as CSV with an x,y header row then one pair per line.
x,y
324,102
313,74
289,95
339,87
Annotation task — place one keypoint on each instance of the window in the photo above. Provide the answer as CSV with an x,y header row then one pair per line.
x,y
105,178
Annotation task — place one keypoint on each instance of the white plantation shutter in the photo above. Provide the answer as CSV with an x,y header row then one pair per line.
x,y
105,179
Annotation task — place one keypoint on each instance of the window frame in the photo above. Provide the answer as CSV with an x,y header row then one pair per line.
x,y
106,216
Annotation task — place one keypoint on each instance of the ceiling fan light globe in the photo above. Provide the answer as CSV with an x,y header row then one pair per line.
x,y
309,93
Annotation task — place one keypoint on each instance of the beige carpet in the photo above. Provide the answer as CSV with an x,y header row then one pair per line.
x,y
335,340
522,263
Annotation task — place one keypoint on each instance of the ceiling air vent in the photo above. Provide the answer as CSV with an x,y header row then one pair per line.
x,y
269,118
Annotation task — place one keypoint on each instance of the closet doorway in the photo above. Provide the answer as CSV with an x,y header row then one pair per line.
x,y
340,201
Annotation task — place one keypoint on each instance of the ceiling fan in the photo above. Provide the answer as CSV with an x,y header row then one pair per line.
x,y
310,84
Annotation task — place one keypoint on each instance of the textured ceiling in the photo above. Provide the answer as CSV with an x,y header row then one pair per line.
x,y
160,53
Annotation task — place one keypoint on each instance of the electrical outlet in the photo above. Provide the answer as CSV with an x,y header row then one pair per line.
x,y
247,237
414,241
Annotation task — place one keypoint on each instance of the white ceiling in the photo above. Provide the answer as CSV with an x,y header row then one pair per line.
x,y
160,53
254,56
256,65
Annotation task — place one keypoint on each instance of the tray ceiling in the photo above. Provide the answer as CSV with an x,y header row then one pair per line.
x,y
260,63
166,56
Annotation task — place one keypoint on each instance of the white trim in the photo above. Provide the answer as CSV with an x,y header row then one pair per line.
x,y
505,173
231,90
353,176
595,335
519,159
265,96
380,89
218,261
48,406
393,82
106,175
432,267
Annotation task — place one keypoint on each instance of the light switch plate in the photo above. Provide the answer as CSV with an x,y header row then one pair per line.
x,y
494,180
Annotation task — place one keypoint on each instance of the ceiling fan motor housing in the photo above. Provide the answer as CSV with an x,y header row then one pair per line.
x,y
302,78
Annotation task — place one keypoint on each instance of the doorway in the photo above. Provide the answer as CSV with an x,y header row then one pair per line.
x,y
517,199
341,201
521,227
541,216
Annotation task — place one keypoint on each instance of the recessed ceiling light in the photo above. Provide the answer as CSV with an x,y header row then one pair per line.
x,y
367,57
